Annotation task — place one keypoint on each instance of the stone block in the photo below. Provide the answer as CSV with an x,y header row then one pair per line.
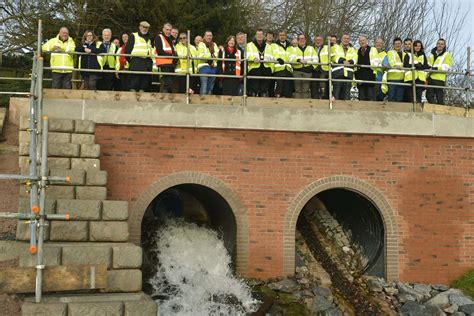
x,y
80,209
78,255
23,162
68,231
144,307
108,231
90,150
91,193
77,176
83,138
51,257
53,138
127,256
60,192
96,177
43,309
85,164
95,308
127,280
84,127
23,231
114,210
61,125
49,206
59,163
24,123
23,149
63,150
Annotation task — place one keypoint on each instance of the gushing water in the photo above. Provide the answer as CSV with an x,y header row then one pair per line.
x,y
194,275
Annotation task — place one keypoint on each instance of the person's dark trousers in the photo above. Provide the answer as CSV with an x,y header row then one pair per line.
x,y
366,92
342,90
319,88
140,82
167,80
90,81
258,87
62,80
271,88
379,95
124,81
230,86
106,82
419,91
283,87
395,92
435,95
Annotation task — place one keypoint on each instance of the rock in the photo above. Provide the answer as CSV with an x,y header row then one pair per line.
x,y
433,310
304,281
346,249
322,291
440,287
442,299
320,303
391,291
404,297
458,314
467,309
375,285
460,299
286,285
423,288
412,308
451,309
405,289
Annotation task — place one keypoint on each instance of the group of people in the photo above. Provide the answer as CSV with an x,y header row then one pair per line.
x,y
130,59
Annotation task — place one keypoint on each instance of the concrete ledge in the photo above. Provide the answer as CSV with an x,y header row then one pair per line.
x,y
261,114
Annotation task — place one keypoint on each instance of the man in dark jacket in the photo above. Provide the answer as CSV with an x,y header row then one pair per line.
x,y
139,45
164,46
366,56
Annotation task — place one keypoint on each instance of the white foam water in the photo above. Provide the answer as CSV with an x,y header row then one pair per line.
x,y
194,275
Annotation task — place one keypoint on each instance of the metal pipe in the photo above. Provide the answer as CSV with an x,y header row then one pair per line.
x,y
32,158
43,182
21,216
468,79
39,102
14,93
188,63
330,75
413,77
245,72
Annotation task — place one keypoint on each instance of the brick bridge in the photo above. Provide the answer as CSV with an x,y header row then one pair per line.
x,y
260,164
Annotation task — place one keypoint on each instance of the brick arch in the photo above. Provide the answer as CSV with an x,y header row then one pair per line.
x,y
164,183
358,186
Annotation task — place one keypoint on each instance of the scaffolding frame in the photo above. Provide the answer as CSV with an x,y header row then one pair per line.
x,y
37,179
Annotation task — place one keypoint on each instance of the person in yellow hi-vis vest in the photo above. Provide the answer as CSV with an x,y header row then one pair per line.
x,y
139,46
182,66
343,54
283,68
259,55
439,59
63,62
396,74
319,89
107,62
307,58
379,71
207,50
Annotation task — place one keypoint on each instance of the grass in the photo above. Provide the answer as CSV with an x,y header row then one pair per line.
x,y
465,283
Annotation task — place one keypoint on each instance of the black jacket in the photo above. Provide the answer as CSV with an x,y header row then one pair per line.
x,y
90,61
229,66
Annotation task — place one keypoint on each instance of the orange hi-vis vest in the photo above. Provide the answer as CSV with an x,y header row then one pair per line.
x,y
167,48
237,62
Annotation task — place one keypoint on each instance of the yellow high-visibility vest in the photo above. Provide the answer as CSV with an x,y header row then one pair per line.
x,y
61,60
253,52
443,62
182,51
395,61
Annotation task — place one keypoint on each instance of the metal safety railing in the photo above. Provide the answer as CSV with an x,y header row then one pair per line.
x,y
38,174
330,80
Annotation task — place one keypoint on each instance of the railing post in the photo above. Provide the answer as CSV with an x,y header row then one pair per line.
x,y
244,91
39,88
188,64
468,79
330,74
413,77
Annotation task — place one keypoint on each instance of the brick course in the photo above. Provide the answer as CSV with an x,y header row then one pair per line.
x,y
426,182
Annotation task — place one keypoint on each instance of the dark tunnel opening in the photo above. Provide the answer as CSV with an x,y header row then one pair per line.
x,y
361,218
193,203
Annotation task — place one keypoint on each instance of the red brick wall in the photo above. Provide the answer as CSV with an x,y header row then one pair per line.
x,y
429,183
